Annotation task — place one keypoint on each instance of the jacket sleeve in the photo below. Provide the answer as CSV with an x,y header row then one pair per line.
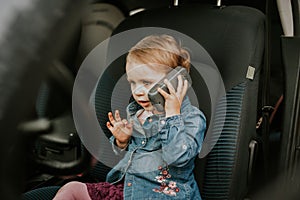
x,y
182,137
118,151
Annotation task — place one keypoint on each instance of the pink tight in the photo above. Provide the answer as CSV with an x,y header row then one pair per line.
x,y
72,191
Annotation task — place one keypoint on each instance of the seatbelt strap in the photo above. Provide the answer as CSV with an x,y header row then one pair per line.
x,y
278,103
266,90
270,109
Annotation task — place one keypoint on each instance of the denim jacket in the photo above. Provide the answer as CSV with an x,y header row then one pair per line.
x,y
159,160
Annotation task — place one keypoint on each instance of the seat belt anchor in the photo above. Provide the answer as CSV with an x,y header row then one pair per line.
x,y
265,109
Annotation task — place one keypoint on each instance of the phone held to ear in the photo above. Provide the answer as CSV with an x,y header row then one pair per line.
x,y
156,98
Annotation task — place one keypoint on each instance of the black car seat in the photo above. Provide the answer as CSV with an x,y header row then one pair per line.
x,y
233,36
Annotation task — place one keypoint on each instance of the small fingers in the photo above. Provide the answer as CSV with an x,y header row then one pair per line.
x,y
119,125
111,119
170,86
125,123
117,116
180,84
113,128
130,124
185,86
182,93
162,92
109,126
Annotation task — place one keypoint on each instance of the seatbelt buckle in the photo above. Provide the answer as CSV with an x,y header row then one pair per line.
x,y
265,110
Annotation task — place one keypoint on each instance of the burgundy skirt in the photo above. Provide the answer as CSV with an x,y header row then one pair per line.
x,y
105,191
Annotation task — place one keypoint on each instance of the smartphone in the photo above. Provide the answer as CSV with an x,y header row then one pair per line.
x,y
156,98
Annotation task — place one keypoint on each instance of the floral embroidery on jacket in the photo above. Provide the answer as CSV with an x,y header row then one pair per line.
x,y
166,186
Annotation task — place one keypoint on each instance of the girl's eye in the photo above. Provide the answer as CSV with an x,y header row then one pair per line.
x,y
147,83
131,82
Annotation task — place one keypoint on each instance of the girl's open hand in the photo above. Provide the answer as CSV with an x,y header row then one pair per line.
x,y
174,99
121,129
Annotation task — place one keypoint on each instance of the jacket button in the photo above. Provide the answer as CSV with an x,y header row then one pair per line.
x,y
129,184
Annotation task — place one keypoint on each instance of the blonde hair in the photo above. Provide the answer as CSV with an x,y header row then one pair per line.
x,y
160,49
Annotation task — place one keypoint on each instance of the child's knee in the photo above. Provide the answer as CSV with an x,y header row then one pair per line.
x,y
71,190
74,185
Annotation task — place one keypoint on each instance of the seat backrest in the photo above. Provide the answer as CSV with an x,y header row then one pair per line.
x,y
233,36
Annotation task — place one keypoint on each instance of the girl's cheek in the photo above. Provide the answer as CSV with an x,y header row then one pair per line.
x,y
132,89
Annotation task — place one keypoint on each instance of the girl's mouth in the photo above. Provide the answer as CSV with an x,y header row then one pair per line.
x,y
144,103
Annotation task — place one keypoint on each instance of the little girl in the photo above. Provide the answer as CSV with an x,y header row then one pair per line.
x,y
160,147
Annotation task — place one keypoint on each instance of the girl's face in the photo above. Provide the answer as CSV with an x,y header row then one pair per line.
x,y
142,78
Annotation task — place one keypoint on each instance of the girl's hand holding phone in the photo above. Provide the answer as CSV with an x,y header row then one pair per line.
x,y
174,99
120,128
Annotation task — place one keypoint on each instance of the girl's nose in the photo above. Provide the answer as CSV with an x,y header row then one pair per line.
x,y
140,90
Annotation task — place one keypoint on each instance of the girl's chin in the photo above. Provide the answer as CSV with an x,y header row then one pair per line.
x,y
148,108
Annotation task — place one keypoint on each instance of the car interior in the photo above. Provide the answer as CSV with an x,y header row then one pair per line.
x,y
245,60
